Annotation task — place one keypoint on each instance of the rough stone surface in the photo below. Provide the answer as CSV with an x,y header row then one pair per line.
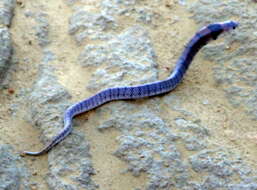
x,y
170,153
222,168
86,25
48,56
46,91
71,158
235,71
142,13
13,174
6,14
41,28
148,144
5,52
129,55
6,11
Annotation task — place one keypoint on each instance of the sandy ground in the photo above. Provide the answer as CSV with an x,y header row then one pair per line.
x,y
232,127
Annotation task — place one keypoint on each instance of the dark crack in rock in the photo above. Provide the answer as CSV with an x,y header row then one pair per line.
x,y
6,12
129,55
236,68
71,159
13,175
5,52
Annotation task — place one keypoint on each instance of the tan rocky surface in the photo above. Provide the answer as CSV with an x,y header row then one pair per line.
x,y
202,135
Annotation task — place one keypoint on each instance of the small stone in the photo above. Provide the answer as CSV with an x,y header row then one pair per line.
x,y
20,3
205,102
34,186
34,173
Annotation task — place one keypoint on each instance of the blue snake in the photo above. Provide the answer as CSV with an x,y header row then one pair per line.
x,y
201,38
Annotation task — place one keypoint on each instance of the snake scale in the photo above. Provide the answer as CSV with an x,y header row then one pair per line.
x,y
201,38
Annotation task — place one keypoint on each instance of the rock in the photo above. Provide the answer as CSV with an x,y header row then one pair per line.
x,y
129,55
13,174
220,168
112,7
234,68
182,2
147,143
6,12
5,52
86,25
71,159
171,154
150,146
251,186
48,56
145,13
204,161
194,144
48,94
42,29
194,127
153,151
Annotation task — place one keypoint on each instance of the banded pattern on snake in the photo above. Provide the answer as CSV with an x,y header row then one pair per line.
x,y
201,38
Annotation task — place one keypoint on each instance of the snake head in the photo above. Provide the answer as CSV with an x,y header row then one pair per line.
x,y
229,25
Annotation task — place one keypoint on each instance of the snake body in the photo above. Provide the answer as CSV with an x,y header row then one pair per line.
x,y
201,38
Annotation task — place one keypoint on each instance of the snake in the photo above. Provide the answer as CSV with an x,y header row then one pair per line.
x,y
200,39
